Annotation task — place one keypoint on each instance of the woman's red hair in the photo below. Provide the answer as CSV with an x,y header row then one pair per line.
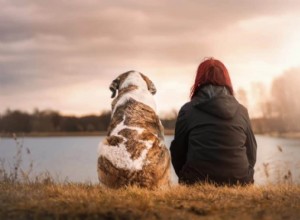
x,y
211,71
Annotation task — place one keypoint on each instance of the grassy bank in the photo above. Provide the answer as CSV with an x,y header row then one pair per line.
x,y
54,134
64,134
288,135
85,201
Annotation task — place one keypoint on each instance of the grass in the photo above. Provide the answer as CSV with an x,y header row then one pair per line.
x,y
67,134
56,134
203,201
288,135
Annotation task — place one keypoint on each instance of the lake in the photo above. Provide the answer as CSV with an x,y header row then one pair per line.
x,y
75,158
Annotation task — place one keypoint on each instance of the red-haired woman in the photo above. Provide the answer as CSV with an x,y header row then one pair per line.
x,y
213,139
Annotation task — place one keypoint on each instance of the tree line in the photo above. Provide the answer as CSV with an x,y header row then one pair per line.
x,y
280,106
52,121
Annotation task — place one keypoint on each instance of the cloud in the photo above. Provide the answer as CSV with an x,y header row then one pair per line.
x,y
49,46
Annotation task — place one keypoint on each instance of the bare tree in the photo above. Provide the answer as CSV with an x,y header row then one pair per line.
x,y
285,98
263,102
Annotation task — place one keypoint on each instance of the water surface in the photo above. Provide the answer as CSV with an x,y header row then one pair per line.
x,y
75,158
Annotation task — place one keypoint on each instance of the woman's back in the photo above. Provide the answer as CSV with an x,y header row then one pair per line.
x,y
217,138
213,138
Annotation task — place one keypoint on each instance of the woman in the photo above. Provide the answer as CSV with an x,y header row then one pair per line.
x,y
213,139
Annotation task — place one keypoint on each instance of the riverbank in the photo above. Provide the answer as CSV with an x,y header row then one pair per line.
x,y
54,134
64,134
169,132
86,201
288,135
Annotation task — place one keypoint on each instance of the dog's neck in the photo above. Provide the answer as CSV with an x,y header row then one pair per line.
x,y
125,90
133,92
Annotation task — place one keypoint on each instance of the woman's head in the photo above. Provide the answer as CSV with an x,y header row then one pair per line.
x,y
211,71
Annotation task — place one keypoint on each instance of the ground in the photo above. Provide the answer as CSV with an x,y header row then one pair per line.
x,y
203,201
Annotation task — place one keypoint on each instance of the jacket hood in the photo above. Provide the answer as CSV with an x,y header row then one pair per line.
x,y
217,101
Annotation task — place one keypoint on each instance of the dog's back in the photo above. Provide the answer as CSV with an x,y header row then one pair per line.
x,y
133,151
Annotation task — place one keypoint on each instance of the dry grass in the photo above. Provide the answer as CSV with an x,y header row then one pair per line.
x,y
87,201
288,135
55,134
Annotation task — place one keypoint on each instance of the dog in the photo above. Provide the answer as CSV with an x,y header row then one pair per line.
x,y
133,152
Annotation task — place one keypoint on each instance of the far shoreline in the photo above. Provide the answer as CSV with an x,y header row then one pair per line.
x,y
169,132
62,134
286,135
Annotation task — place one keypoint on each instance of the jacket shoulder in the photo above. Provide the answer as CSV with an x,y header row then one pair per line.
x,y
244,113
243,110
184,109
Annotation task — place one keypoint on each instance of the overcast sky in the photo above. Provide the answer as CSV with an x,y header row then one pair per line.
x,y
62,54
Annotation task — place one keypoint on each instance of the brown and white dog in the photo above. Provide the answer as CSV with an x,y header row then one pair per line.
x,y
134,153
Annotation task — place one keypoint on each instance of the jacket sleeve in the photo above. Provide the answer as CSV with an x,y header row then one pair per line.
x,y
250,144
179,145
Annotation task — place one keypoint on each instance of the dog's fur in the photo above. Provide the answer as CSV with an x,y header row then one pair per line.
x,y
133,153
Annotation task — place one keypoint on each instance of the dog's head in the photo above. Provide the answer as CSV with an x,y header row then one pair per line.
x,y
131,78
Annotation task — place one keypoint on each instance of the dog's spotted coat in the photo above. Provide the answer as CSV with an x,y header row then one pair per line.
x,y
133,153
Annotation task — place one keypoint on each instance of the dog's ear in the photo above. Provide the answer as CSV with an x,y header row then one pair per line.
x,y
114,86
150,84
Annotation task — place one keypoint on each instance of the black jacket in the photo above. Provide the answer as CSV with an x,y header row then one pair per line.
x,y
213,139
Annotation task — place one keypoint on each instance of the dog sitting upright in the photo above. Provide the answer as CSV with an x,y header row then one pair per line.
x,y
134,153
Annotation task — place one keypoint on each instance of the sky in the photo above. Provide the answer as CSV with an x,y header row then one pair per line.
x,y
62,55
